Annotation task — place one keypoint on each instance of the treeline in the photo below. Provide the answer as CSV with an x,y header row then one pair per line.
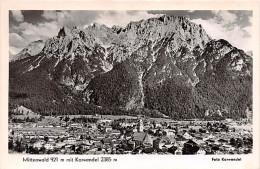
x,y
172,99
230,96
114,88
233,95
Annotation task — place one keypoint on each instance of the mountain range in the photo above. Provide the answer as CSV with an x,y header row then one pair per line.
x,y
165,66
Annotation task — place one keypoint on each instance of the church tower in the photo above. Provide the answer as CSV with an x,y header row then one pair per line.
x,y
140,126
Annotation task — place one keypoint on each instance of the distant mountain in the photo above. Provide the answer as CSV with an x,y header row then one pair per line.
x,y
31,49
167,65
250,53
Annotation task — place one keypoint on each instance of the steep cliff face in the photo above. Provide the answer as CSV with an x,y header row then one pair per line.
x,y
164,64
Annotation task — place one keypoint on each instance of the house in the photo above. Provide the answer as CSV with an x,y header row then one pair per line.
x,y
76,125
138,136
170,132
51,135
51,140
124,124
178,151
147,142
141,138
71,140
17,125
49,126
41,125
92,125
88,142
131,145
99,137
210,141
199,142
38,144
115,132
117,142
63,124
60,144
227,148
107,121
98,144
190,147
41,136
148,150
180,141
193,127
158,144
135,130
62,150
201,151
187,136
85,146
108,129
221,141
173,123
49,146
27,136
106,141
18,134
33,136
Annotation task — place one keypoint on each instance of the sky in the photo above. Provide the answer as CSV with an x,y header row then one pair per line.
x,y
30,25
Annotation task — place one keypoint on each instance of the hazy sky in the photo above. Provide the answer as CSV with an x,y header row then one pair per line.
x,y
27,26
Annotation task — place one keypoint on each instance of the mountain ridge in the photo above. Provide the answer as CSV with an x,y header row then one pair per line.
x,y
130,68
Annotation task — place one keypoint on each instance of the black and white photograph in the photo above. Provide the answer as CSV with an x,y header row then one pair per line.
x,y
130,82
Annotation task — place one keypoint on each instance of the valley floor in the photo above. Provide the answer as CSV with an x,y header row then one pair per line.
x,y
105,134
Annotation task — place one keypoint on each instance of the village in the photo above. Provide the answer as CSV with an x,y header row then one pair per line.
x,y
104,134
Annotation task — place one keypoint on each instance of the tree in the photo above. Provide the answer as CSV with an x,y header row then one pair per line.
x,y
42,149
232,141
10,145
79,149
238,143
73,148
164,133
81,137
46,138
67,119
172,149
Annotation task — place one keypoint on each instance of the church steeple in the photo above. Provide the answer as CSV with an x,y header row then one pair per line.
x,y
140,126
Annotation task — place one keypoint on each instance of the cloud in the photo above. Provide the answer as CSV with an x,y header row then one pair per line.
x,y
235,27
122,18
84,18
237,36
14,50
31,32
50,15
17,15
71,18
225,17
16,39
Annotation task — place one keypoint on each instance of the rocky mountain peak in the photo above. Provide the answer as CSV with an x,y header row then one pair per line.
x,y
64,31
